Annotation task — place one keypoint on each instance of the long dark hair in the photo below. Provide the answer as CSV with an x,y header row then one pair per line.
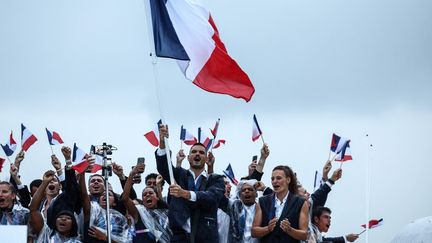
x,y
292,186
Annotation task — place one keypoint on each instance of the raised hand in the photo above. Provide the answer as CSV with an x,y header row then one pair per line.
x,y
326,169
66,151
118,170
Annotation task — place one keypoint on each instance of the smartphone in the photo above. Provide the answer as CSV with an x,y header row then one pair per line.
x,y
137,178
140,160
255,158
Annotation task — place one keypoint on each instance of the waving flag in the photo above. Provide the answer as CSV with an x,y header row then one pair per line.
x,y
230,174
1,163
27,138
215,129
218,143
153,136
10,146
99,162
256,131
373,223
345,153
79,159
184,30
187,137
53,137
203,138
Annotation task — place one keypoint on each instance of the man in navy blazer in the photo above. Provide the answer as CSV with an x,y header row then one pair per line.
x,y
193,197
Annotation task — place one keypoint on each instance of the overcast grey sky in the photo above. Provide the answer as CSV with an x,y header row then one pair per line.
x,y
82,68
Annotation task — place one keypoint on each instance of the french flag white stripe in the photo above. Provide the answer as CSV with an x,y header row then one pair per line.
x,y
191,22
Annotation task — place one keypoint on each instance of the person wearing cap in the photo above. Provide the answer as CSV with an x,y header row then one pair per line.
x,y
241,212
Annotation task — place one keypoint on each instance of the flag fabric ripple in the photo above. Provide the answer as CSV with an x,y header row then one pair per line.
x,y
10,146
27,138
184,30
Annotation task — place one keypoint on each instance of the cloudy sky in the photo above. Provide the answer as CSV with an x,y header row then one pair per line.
x,y
82,68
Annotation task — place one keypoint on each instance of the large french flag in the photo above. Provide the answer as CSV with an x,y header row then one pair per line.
x,y
256,130
53,137
153,135
187,137
99,162
10,146
184,30
27,138
79,159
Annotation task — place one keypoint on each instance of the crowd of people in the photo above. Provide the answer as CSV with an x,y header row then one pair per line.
x,y
199,207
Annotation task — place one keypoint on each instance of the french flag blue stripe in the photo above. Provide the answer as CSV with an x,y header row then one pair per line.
x,y
167,43
7,150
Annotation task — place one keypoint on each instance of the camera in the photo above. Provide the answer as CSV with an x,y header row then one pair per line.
x,y
104,149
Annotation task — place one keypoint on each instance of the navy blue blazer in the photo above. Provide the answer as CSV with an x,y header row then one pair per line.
x,y
202,212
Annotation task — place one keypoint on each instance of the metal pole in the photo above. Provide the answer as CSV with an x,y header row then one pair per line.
x,y
106,175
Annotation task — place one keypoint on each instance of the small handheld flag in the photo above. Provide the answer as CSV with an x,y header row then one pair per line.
x,y
53,137
256,130
79,160
230,174
187,137
27,138
340,146
10,146
203,138
153,136
373,223
215,129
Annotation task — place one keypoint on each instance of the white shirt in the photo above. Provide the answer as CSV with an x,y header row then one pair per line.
x,y
250,214
280,205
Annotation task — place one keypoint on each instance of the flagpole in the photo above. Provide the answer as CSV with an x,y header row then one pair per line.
x,y
362,232
262,138
10,162
156,79
52,151
368,154
214,136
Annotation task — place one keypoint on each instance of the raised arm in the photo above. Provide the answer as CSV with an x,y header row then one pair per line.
x,y
130,206
180,157
84,196
210,163
118,170
36,219
265,152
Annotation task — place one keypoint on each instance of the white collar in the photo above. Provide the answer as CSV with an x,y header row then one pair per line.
x,y
203,173
283,200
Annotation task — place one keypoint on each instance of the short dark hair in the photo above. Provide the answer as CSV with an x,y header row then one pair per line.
x,y
152,176
318,211
35,183
292,187
11,187
198,144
